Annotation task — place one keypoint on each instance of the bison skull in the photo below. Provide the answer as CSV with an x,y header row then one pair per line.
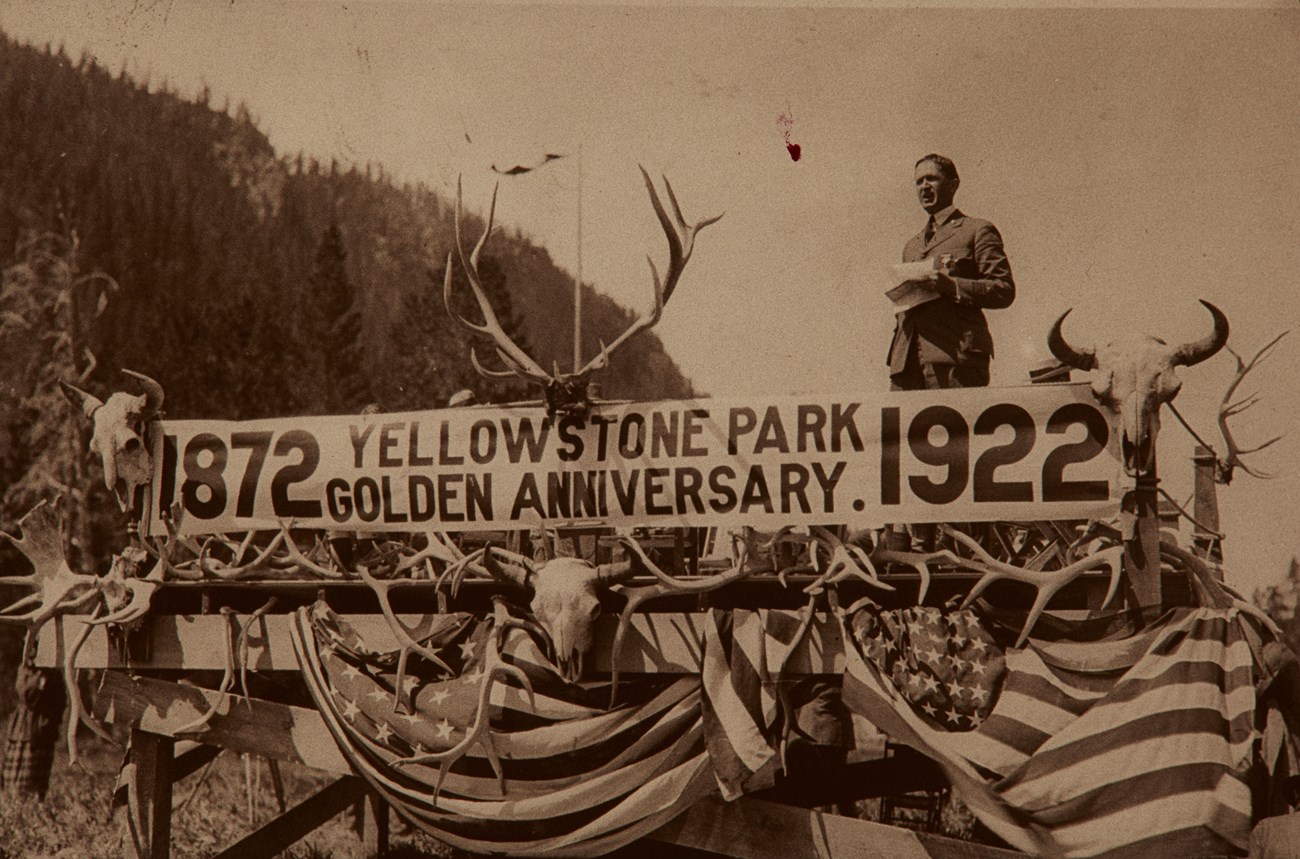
x,y
565,599
1135,376
118,435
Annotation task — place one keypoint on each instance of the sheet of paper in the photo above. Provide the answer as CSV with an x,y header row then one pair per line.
x,y
905,292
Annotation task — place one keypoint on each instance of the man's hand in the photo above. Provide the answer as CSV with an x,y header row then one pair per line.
x,y
943,284
938,280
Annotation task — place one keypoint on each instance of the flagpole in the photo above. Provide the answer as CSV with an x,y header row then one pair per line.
x,y
577,281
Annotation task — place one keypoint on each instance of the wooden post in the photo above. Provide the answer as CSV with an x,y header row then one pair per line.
x,y
152,817
277,785
374,826
1142,553
1205,509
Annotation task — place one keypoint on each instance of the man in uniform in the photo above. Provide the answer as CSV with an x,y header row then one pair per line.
x,y
945,342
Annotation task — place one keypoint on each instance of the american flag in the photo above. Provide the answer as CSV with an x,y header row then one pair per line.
x,y
580,779
1112,748
1129,748
741,708
943,662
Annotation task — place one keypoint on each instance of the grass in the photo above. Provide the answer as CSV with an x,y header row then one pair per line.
x,y
210,812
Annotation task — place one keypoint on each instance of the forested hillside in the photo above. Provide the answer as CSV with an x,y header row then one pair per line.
x,y
248,282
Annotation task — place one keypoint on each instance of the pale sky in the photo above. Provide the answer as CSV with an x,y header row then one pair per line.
x,y
1134,160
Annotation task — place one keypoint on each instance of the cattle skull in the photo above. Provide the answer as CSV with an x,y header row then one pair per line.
x,y
564,597
1135,376
118,436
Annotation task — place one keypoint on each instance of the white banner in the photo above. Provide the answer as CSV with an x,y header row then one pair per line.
x,y
1025,453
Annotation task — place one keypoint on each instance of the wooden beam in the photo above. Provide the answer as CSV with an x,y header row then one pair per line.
x,y
754,829
669,642
281,832
276,731
900,770
192,760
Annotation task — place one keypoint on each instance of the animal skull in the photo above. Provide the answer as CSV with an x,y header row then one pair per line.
x,y
565,599
1135,376
118,437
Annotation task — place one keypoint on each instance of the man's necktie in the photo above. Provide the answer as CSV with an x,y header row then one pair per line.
x,y
929,231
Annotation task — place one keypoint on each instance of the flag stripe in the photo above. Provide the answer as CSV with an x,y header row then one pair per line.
x,y
1153,747
1116,795
665,796
1096,836
669,731
1139,743
634,777
540,742
570,761
726,713
990,747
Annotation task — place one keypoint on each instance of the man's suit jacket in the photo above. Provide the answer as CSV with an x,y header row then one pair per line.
x,y
953,330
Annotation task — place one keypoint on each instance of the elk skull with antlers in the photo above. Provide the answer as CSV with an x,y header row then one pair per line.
x,y
567,393
1135,376
118,436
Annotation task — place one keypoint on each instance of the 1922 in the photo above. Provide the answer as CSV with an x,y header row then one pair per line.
x,y
954,454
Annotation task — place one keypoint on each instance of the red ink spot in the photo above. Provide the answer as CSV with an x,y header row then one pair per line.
x,y
785,122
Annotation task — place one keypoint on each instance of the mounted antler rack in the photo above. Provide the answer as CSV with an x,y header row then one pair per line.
x,y
567,393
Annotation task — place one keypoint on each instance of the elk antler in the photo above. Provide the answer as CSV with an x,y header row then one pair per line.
x,y
399,629
519,362
1211,591
494,669
681,242
570,388
1227,409
919,561
667,586
78,714
235,570
237,634
1046,583
484,562
439,547
845,562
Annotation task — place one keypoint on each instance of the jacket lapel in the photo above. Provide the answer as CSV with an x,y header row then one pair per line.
x,y
944,231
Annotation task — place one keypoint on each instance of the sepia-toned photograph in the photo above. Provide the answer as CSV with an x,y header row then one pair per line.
x,y
663,430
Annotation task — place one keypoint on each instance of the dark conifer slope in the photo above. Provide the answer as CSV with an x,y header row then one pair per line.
x,y
254,283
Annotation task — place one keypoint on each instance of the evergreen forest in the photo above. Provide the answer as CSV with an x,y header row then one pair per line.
x,y
144,230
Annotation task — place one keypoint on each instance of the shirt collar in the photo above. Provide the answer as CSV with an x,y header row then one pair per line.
x,y
943,216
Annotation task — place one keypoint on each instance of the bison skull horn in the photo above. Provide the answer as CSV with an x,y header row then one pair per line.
x,y
1135,376
118,434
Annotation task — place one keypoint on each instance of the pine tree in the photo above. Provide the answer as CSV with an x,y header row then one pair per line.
x,y
429,362
1282,602
336,332
492,277
48,310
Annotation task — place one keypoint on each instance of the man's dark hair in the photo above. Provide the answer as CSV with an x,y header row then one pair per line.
x,y
945,164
